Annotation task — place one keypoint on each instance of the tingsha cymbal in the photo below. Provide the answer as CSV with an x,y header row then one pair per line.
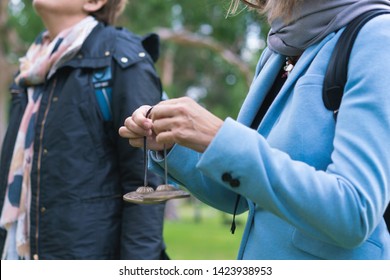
x,y
165,192
166,187
138,196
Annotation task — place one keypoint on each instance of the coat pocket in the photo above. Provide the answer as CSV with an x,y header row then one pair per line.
x,y
367,251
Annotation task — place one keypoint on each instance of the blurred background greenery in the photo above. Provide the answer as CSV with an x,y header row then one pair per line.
x,y
195,231
205,54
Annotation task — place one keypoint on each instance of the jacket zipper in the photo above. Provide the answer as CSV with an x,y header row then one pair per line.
x,y
40,151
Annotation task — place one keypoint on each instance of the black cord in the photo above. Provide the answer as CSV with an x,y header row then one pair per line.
x,y
146,154
233,227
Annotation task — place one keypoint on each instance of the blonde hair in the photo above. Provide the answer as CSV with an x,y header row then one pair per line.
x,y
273,8
110,12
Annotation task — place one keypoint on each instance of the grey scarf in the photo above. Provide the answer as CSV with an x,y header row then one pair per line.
x,y
313,20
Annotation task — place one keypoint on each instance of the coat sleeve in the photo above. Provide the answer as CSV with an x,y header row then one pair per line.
x,y
134,85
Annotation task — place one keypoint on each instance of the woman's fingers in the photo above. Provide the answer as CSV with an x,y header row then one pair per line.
x,y
185,122
140,119
137,142
179,120
138,126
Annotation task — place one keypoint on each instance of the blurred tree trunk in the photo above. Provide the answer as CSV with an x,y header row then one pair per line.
x,y
4,74
9,42
167,73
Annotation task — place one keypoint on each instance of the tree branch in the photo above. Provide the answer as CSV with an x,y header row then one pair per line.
x,y
192,39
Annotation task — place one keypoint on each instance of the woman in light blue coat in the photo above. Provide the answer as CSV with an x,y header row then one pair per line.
x,y
314,188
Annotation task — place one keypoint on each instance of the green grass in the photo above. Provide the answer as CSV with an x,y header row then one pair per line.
x,y
202,233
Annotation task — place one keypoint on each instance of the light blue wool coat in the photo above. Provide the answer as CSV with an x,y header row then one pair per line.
x,y
314,188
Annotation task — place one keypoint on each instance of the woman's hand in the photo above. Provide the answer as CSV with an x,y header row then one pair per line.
x,y
183,121
139,126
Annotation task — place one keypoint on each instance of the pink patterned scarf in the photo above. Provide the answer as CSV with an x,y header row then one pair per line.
x,y
42,60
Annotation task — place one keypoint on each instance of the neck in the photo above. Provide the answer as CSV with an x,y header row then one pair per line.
x,y
55,24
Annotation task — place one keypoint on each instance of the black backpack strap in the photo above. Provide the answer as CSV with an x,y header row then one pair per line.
x,y
387,217
336,73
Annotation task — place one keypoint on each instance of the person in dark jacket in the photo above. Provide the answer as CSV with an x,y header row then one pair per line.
x,y
64,168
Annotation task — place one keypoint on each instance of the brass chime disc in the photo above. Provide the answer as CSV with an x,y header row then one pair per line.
x,y
165,192
139,195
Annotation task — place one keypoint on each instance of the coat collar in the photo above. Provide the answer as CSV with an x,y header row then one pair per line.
x,y
263,83
106,43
